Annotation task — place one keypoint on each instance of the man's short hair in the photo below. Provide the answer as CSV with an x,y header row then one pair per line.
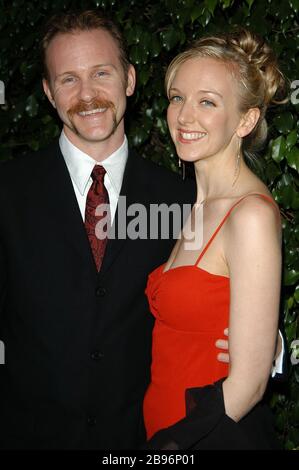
x,y
71,22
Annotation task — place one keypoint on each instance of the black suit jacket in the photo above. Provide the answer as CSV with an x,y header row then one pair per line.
x,y
77,343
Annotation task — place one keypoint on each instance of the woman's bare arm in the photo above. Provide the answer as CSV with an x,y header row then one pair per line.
x,y
253,254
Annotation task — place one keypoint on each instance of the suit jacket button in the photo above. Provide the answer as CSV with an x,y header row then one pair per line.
x,y
96,355
100,291
91,421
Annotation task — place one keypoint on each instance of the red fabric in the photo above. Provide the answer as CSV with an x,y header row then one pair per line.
x,y
191,308
96,196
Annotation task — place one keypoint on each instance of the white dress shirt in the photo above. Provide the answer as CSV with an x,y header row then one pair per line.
x,y
278,363
80,166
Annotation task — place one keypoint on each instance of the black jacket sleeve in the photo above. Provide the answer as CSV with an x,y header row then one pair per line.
x,y
199,421
207,427
2,284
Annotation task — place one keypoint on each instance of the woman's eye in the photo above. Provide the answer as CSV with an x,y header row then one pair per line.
x,y
175,99
207,103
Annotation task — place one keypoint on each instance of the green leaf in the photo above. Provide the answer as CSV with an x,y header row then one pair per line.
x,y
285,180
280,420
47,119
226,3
135,35
290,277
289,445
31,106
144,75
139,136
17,111
291,139
162,126
290,302
284,122
139,55
273,172
278,149
296,418
205,18
289,315
293,158
160,104
197,12
155,46
211,5
34,145
291,331
295,5
170,38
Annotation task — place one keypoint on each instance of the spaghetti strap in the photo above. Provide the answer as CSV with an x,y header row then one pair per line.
x,y
268,198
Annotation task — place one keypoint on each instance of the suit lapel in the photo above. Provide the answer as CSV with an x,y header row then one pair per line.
x,y
61,204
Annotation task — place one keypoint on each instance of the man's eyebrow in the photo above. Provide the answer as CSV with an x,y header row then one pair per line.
x,y
73,72
70,72
104,65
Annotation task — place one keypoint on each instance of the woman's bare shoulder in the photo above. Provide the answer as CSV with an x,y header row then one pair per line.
x,y
256,214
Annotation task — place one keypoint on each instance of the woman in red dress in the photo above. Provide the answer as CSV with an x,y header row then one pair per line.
x,y
218,91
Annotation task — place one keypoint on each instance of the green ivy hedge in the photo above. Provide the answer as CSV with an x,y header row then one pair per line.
x,y
156,31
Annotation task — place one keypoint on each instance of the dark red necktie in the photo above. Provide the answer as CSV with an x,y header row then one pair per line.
x,y
97,209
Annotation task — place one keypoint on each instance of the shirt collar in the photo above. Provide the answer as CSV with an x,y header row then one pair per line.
x,y
80,165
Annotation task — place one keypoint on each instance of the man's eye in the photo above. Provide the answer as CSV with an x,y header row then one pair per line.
x,y
68,80
101,73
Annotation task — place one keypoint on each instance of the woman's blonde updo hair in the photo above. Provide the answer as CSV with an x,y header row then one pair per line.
x,y
255,67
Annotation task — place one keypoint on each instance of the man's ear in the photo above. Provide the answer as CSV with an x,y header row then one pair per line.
x,y
48,92
131,81
248,122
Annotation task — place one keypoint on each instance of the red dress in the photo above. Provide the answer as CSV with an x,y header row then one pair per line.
x,y
191,308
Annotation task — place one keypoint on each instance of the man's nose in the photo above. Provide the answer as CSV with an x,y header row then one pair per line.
x,y
87,90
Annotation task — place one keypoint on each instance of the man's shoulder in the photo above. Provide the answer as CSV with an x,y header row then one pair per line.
x,y
28,165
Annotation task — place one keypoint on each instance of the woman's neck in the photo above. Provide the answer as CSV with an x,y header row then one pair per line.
x,y
218,177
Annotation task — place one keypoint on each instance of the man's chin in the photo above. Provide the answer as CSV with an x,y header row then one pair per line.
x,y
93,137
98,136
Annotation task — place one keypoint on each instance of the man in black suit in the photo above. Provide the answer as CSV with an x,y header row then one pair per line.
x,y
78,337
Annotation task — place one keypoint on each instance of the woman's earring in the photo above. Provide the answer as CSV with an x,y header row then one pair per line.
x,y
182,165
237,167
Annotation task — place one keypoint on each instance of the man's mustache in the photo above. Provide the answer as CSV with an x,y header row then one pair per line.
x,y
82,106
